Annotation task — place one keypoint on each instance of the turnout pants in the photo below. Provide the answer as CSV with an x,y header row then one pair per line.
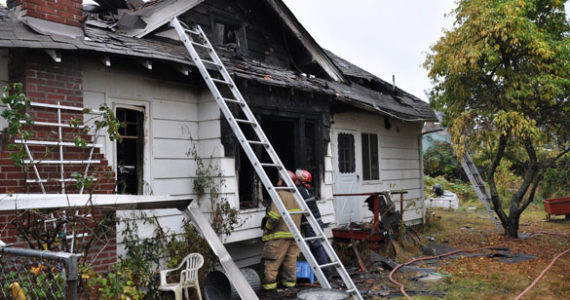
x,y
318,250
280,254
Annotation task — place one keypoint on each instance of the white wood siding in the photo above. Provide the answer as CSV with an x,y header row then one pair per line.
x,y
177,120
399,155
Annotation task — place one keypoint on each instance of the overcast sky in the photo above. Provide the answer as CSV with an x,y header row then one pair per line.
x,y
384,37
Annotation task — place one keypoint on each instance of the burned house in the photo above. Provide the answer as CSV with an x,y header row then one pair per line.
x,y
353,131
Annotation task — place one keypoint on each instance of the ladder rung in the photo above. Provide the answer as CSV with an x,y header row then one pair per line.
x,y
284,188
297,212
256,142
201,45
192,31
234,101
211,63
270,165
312,238
221,81
350,291
329,265
244,121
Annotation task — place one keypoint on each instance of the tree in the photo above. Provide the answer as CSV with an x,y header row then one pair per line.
x,y
502,77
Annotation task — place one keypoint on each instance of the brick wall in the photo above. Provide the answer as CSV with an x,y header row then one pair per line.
x,y
69,12
48,82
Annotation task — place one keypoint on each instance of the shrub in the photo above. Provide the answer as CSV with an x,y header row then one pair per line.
x,y
439,160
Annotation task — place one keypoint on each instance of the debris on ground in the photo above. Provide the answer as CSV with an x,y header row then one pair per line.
x,y
390,264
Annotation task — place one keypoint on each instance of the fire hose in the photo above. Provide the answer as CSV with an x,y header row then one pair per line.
x,y
470,250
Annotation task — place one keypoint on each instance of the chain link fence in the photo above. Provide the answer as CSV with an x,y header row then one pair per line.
x,y
33,274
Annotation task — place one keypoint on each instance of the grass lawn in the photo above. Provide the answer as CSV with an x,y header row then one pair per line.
x,y
487,278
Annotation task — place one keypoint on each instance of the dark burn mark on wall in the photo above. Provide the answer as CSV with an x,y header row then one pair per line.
x,y
298,126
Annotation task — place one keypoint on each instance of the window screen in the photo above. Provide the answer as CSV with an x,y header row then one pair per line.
x,y
346,162
370,169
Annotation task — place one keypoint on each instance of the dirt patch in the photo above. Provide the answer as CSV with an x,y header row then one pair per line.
x,y
498,273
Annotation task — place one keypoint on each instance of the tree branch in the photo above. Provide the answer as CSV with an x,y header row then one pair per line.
x,y
530,176
491,177
552,161
530,197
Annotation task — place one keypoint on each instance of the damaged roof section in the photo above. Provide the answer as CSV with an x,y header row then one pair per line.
x,y
102,34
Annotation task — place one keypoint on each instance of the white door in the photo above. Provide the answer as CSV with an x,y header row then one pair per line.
x,y
347,180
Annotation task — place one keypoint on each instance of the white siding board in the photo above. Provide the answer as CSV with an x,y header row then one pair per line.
x,y
402,184
171,92
174,111
174,129
228,167
208,110
399,142
167,148
401,174
209,129
394,153
173,168
399,164
172,186
211,148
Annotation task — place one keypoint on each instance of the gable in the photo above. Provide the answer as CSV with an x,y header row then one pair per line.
x,y
256,30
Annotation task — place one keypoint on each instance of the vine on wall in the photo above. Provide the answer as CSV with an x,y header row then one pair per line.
x,y
208,182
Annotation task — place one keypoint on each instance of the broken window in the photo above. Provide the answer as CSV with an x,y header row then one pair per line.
x,y
346,157
129,156
370,169
229,33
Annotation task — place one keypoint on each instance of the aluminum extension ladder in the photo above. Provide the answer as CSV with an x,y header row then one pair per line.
x,y
226,93
476,180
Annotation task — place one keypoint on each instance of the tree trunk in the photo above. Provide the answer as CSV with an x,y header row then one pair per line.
x,y
512,226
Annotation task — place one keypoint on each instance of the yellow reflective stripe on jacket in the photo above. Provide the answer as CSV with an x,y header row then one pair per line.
x,y
278,235
268,226
274,215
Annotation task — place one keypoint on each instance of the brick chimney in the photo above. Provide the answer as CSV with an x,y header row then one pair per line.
x,y
68,12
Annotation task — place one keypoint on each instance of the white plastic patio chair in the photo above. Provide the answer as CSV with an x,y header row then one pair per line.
x,y
188,276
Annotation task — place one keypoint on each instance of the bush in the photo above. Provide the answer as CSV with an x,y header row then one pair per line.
x,y
439,160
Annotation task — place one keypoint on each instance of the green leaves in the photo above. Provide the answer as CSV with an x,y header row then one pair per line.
x,y
19,120
503,70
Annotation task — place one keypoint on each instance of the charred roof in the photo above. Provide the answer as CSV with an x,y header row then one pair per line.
x,y
357,87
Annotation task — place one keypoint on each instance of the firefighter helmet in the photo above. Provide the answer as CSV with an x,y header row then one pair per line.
x,y
304,175
292,175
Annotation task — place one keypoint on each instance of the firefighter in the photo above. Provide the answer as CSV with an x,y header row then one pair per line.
x,y
304,187
280,250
